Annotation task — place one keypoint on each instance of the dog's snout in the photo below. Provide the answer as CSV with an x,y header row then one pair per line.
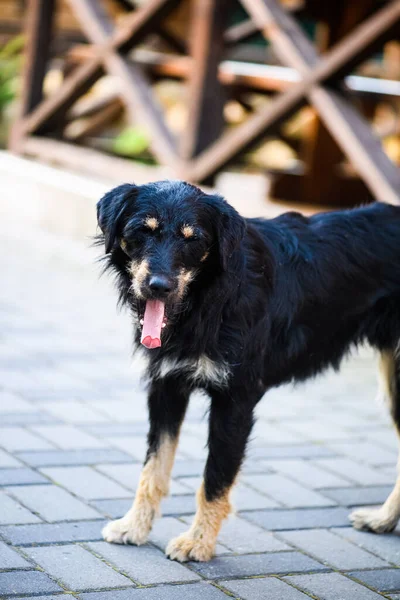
x,y
159,284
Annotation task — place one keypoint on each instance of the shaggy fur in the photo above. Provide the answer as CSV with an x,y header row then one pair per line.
x,y
250,304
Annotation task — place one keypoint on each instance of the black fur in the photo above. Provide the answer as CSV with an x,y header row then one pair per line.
x,y
275,300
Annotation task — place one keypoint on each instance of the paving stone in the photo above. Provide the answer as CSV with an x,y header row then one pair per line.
x,y
128,475
386,546
105,430
54,533
86,482
53,503
17,438
242,537
6,460
382,580
12,512
243,497
261,589
331,549
25,419
287,492
77,568
73,412
354,471
195,591
359,496
306,473
332,586
26,582
143,564
292,451
67,437
20,477
367,452
113,509
10,559
257,564
11,403
305,518
136,446
74,457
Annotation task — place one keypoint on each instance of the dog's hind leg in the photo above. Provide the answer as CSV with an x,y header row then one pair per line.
x,y
168,400
386,517
231,420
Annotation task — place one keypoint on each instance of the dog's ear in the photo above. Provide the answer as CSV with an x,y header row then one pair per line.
x,y
111,210
229,227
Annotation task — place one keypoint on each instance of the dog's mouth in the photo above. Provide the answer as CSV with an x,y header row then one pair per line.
x,y
153,322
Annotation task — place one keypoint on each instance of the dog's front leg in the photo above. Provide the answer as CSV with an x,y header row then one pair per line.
x,y
231,420
168,400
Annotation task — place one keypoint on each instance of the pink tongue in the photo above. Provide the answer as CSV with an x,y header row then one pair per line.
x,y
152,322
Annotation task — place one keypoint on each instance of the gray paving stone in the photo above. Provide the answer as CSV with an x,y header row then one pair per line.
x,y
21,476
53,533
86,482
306,473
359,496
243,497
261,589
77,568
383,580
333,550
74,457
128,475
143,564
354,471
257,564
195,591
332,586
305,518
10,559
242,537
113,509
386,546
292,451
68,437
73,412
115,429
24,419
17,438
6,460
287,492
53,503
16,583
11,511
366,451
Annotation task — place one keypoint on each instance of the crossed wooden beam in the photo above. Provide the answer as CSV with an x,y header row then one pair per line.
x,y
204,148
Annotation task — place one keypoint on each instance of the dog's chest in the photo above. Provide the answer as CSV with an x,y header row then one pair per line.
x,y
201,371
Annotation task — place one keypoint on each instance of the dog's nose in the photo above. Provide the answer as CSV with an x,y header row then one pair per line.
x,y
160,284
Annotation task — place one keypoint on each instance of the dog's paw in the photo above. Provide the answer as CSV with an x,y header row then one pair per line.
x,y
125,531
186,547
372,519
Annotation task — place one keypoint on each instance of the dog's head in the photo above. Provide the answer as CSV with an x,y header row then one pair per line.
x,y
168,232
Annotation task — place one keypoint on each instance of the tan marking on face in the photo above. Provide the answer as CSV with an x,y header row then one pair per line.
x,y
184,278
187,231
123,244
139,272
198,543
153,485
152,223
205,255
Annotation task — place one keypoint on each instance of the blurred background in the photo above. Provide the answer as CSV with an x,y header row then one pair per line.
x,y
204,89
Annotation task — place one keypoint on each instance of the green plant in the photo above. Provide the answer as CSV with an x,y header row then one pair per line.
x,y
10,62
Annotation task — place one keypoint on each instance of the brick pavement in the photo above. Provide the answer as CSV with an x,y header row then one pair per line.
x,y
72,437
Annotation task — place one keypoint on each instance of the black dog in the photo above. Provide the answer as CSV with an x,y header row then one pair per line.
x,y
236,306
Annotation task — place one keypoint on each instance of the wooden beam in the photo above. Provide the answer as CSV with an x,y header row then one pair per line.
x,y
135,28
135,90
38,34
243,137
206,98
